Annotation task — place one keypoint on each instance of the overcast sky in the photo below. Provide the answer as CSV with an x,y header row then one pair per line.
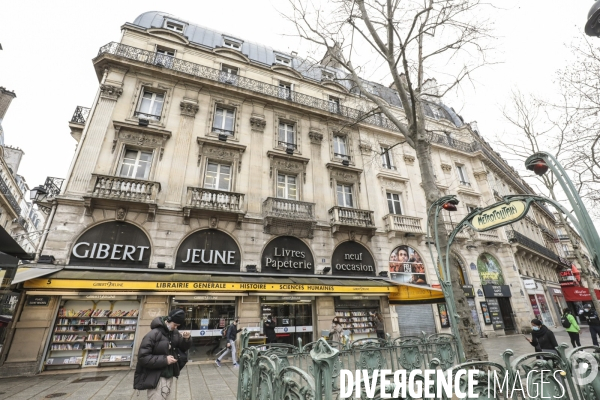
x,y
48,48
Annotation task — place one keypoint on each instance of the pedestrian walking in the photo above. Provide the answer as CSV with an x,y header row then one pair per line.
x,y
158,356
542,338
231,336
591,316
269,328
570,323
379,327
336,330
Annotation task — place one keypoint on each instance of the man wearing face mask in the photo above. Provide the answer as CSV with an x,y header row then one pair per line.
x,y
157,357
594,322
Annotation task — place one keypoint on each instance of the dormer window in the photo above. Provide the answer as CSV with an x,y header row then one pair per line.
x,y
232,45
283,60
174,26
328,75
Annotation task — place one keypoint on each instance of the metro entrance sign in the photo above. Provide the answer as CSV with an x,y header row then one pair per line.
x,y
498,215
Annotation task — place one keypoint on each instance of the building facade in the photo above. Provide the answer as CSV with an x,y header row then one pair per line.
x,y
229,179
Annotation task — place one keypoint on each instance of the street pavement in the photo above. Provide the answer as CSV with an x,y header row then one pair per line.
x,y
198,381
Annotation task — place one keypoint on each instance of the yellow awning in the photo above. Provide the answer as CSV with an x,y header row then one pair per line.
x,y
415,294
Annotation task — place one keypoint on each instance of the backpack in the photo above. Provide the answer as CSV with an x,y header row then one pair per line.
x,y
224,332
565,321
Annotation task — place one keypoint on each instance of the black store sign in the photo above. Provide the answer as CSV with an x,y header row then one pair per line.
x,y
468,290
287,255
209,250
496,290
495,314
38,300
352,259
112,244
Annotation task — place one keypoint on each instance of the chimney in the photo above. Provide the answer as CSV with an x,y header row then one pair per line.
x,y
474,127
6,97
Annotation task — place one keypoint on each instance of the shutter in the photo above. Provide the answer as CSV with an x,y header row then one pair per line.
x,y
416,318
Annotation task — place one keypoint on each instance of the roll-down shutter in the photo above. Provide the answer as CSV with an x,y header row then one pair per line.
x,y
415,319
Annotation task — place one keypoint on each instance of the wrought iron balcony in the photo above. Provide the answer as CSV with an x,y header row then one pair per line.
x,y
216,200
444,140
403,225
147,116
516,237
489,236
80,115
5,190
126,189
289,217
351,218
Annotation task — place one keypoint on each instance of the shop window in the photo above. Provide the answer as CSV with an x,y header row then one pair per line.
x,y
344,196
340,147
218,176
394,203
224,121
136,164
286,187
356,316
287,135
151,105
387,160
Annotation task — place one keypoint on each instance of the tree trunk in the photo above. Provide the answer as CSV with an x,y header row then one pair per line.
x,y
471,341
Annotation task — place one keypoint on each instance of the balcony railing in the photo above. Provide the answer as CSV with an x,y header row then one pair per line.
x,y
80,115
514,236
217,200
127,189
489,236
403,223
465,183
444,140
288,209
152,117
351,217
5,190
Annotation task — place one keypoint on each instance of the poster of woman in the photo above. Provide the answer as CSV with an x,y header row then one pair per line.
x,y
406,265
489,270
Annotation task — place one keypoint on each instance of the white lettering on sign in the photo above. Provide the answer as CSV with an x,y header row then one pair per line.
x,y
289,253
357,257
288,264
102,251
354,267
200,256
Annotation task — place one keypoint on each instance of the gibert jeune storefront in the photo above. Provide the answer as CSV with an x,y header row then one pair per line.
x,y
94,312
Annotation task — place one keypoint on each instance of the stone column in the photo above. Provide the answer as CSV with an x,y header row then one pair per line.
x,y
92,142
254,196
183,144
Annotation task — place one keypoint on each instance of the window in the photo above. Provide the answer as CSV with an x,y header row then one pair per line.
x,y
164,57
394,204
287,135
224,120
283,61
334,104
228,74
286,187
151,105
340,149
462,175
565,248
285,90
136,164
344,196
218,176
328,75
470,209
232,45
387,161
172,26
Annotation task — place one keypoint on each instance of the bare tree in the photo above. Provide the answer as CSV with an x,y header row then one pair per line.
x,y
542,126
412,43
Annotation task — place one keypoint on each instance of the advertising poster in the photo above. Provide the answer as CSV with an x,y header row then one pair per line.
x,y
489,270
443,312
406,266
486,313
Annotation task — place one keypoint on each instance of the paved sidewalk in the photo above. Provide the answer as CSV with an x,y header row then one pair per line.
x,y
197,382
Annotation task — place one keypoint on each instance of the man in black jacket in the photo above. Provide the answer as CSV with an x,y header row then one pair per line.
x,y
231,336
157,357
593,321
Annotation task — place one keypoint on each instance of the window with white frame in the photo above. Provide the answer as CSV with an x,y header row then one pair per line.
x,y
172,26
340,147
328,75
287,135
285,90
334,104
387,161
287,187
224,121
283,60
344,196
136,164
394,203
231,44
218,176
164,57
565,248
228,74
151,105
462,175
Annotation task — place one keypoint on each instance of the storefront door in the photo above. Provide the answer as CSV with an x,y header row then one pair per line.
x,y
205,320
541,309
293,319
506,311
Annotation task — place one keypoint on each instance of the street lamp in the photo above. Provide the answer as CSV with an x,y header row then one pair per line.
x,y
38,194
592,26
